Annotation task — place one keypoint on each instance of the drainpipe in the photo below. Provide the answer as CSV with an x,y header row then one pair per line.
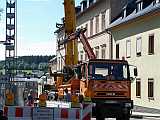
x,y
110,44
110,34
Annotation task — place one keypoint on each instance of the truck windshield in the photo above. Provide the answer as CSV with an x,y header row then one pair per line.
x,y
114,71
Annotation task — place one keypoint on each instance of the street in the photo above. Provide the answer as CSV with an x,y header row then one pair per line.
x,y
144,118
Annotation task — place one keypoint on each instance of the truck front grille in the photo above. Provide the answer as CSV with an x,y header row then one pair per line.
x,y
109,94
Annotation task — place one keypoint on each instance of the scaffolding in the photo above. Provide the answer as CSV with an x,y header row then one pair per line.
x,y
11,40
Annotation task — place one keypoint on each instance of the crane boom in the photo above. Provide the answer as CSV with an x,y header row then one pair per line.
x,y
71,49
86,45
80,34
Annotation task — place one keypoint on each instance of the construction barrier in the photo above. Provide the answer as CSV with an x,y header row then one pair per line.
x,y
43,113
18,113
86,111
46,113
58,104
67,114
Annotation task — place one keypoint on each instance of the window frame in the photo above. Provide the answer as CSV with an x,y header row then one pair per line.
x,y
86,32
81,55
117,53
97,51
103,52
91,27
139,6
139,53
138,94
151,50
59,63
156,2
86,56
128,56
151,80
103,20
97,24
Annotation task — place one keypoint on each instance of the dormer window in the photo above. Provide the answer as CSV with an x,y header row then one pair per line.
x,y
156,1
91,2
83,5
78,9
139,5
124,12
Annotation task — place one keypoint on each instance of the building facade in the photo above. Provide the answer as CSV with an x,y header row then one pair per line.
x,y
136,37
95,15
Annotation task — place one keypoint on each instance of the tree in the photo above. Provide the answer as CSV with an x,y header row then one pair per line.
x,y
34,66
21,66
42,66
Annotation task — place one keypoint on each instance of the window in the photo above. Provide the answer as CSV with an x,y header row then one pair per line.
x,y
81,55
116,71
103,20
97,51
156,1
86,56
139,6
138,87
84,5
128,48
151,44
91,2
139,46
117,51
124,12
91,27
86,33
150,88
59,63
83,69
103,51
97,24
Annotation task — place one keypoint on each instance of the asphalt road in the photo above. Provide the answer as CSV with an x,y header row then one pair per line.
x,y
144,118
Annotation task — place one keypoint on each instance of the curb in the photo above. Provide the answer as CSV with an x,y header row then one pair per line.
x,y
137,116
140,115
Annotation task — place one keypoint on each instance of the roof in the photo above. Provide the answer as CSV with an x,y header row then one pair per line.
x,y
79,13
149,9
108,61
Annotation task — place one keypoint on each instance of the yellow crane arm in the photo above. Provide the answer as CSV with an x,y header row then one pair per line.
x,y
71,48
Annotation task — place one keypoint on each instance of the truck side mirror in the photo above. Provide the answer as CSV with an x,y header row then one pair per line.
x,y
135,72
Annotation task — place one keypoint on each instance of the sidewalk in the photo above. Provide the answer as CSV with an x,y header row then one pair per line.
x,y
143,114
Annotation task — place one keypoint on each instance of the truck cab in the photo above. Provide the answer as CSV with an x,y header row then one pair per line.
x,y
107,83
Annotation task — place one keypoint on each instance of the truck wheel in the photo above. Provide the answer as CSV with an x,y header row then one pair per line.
x,y
100,118
125,117
119,118
99,115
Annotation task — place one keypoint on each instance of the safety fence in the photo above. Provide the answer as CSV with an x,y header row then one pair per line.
x,y
48,113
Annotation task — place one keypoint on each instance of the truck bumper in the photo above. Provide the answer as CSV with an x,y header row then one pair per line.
x,y
113,108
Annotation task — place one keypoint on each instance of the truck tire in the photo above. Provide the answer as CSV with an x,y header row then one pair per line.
x,y
99,114
100,118
124,117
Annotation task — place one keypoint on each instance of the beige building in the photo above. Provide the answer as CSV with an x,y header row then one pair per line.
x,y
95,15
136,36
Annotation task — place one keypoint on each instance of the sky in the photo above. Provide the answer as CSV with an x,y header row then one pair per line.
x,y
36,23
